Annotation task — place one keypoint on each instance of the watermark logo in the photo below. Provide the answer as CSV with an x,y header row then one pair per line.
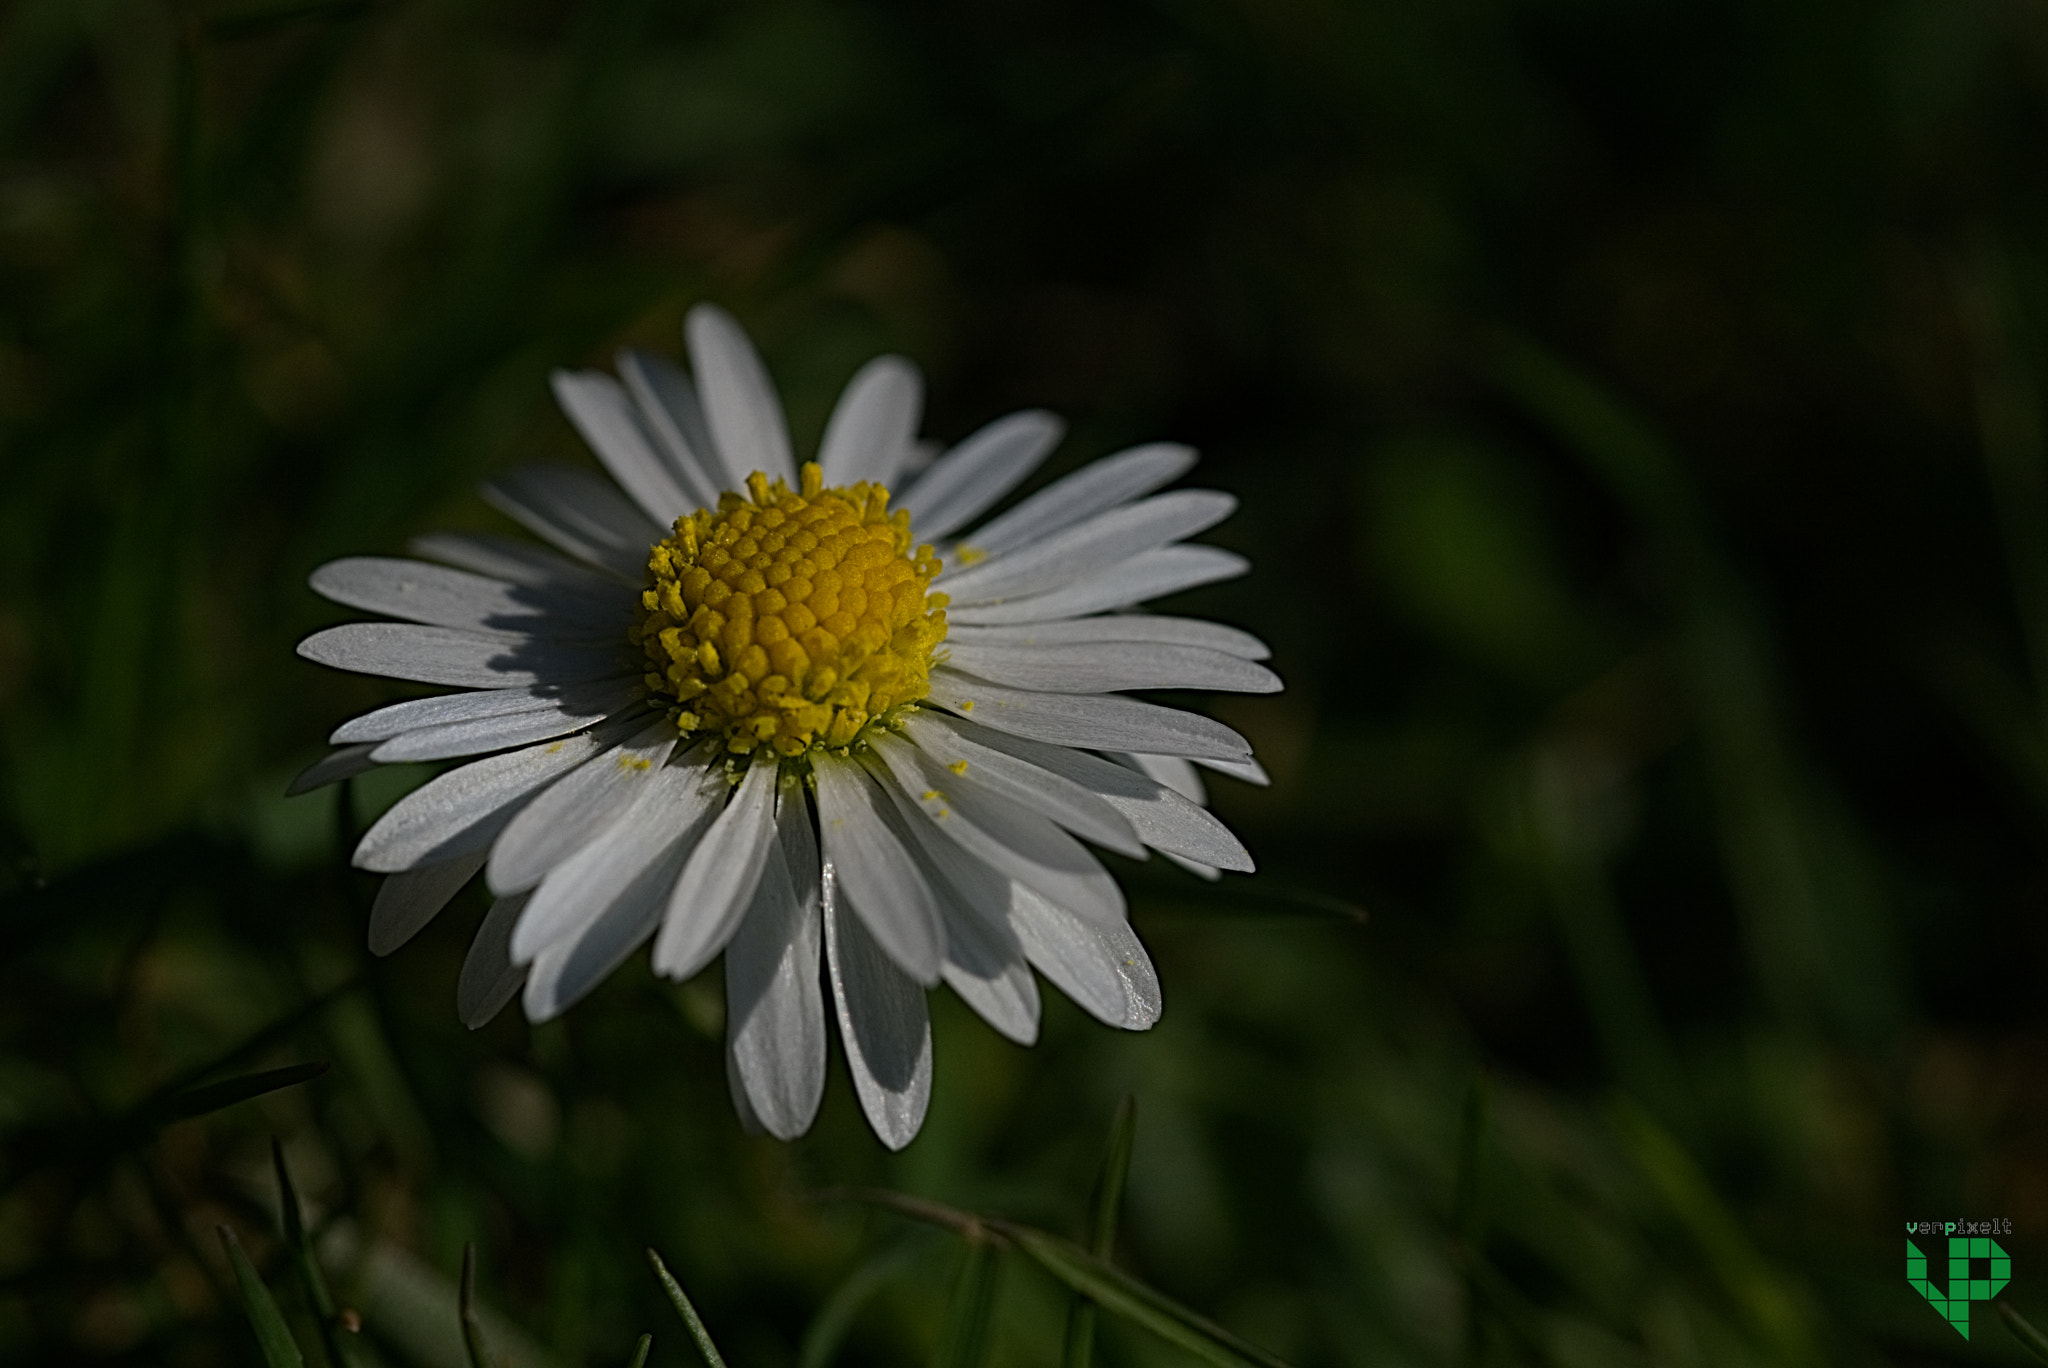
x,y
1978,1268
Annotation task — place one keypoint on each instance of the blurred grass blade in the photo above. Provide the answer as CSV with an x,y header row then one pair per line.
x,y
1820,934
640,1352
1172,891
963,1343
100,1141
249,23
828,1329
686,1311
312,1283
259,1040
1754,1285
406,1303
1102,1221
2032,1340
1468,1208
1094,1277
272,1334
1109,1183
215,1097
1118,1293
2014,440
472,1329
916,1208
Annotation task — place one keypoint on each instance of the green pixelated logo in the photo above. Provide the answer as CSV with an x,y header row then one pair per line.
x,y
1954,1304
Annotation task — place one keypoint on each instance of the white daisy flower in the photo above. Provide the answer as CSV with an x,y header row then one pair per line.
x,y
751,709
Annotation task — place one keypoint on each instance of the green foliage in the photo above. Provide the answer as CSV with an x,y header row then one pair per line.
x,y
273,1336
2031,1339
1087,1273
681,1301
1637,412
1105,1210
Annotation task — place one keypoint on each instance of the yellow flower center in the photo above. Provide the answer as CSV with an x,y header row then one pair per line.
x,y
789,619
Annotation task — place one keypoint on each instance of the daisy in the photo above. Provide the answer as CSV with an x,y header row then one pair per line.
x,y
752,708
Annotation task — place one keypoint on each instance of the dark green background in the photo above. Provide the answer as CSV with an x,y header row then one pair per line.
x,y
1636,411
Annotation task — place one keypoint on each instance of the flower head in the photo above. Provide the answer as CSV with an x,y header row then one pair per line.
x,y
755,709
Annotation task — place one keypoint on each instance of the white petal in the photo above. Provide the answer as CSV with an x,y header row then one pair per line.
x,y
407,902
580,513
662,825
1172,631
967,888
1075,807
1148,575
441,710
464,810
1006,997
606,417
489,977
577,809
670,411
876,877
719,881
1172,771
742,1105
985,961
1004,835
774,1007
1096,721
607,932
1096,544
883,1024
1108,666
478,735
1196,867
518,562
332,768
1247,769
1162,818
436,595
1100,485
1068,951
740,405
873,424
1143,1001
442,655
1103,968
969,479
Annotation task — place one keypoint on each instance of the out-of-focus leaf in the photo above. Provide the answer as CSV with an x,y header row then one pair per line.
x,y
686,1311
272,1334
